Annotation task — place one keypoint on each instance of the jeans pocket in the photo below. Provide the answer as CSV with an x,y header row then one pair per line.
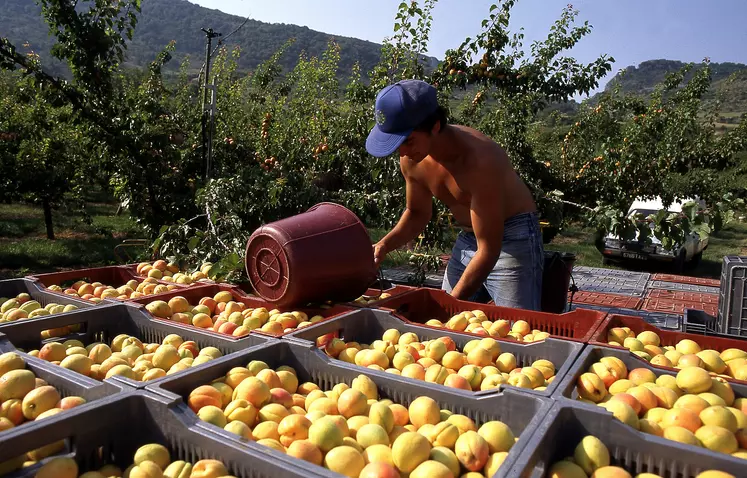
x,y
517,229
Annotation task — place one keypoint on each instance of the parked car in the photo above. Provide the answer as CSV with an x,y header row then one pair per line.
x,y
688,254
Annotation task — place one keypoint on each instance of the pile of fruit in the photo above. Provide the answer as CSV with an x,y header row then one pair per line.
x,y
222,314
477,322
480,365
170,272
26,397
349,429
96,291
692,407
24,307
150,461
369,299
127,356
731,363
591,458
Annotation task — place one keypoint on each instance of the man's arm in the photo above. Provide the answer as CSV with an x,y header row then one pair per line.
x,y
487,215
414,219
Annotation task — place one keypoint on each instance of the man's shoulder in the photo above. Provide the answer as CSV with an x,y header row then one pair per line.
x,y
476,140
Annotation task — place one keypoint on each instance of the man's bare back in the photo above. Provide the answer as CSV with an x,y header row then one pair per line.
x,y
453,183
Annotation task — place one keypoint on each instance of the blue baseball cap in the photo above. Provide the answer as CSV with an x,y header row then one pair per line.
x,y
399,109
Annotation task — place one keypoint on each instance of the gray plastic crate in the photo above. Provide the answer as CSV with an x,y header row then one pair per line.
x,y
659,319
111,433
610,288
68,384
591,354
625,285
365,326
637,452
12,287
581,272
521,411
701,323
732,300
660,284
610,280
103,323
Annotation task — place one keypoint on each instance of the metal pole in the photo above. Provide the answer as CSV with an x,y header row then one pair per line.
x,y
211,128
209,35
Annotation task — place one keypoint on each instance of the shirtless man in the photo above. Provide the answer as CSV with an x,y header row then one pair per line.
x,y
499,252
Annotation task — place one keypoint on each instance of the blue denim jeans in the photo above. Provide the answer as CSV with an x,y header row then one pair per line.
x,y
516,279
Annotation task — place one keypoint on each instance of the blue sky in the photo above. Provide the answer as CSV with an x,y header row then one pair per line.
x,y
631,31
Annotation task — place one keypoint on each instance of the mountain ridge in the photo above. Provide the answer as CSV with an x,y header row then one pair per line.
x,y
162,21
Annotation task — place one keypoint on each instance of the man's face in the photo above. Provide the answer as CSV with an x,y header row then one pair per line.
x,y
416,146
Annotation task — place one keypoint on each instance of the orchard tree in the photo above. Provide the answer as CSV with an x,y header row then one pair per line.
x,y
295,140
43,154
626,147
508,87
129,124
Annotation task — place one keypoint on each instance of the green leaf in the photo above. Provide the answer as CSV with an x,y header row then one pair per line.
x,y
193,243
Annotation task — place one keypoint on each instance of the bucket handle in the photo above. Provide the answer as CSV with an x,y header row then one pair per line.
x,y
380,274
381,283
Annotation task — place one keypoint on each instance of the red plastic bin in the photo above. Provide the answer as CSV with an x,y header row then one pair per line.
x,y
114,276
194,294
671,306
606,300
667,337
421,305
681,295
686,280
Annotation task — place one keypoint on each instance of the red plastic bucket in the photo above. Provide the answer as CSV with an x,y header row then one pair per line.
x,y
322,254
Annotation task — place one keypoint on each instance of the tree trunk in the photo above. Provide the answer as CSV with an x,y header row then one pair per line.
x,y
48,218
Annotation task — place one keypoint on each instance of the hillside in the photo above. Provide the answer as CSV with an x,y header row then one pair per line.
x,y
641,79
164,20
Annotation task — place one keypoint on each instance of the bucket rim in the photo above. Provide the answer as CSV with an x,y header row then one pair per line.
x,y
340,206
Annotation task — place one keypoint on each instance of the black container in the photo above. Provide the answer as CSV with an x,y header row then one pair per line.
x,y
111,433
104,323
637,452
522,412
12,287
592,354
67,383
556,279
367,325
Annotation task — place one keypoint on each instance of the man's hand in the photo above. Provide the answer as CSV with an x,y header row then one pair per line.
x,y
380,251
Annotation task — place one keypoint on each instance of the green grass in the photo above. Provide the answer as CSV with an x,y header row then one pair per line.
x,y
24,247
732,240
